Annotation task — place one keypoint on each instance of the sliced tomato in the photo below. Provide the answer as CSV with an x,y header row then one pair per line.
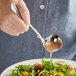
x,y
39,65
70,68
58,64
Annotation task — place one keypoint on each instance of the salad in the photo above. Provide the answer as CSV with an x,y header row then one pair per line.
x,y
46,68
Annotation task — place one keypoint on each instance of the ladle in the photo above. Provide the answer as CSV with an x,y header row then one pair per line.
x,y
51,43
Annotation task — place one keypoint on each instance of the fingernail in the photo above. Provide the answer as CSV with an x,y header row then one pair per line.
x,y
27,26
21,32
27,22
17,34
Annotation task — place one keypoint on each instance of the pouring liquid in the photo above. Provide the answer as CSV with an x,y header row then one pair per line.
x,y
51,47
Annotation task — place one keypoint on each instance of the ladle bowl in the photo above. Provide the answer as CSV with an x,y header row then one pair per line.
x,y
52,43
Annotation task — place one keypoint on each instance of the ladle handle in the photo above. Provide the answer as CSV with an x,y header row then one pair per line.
x,y
13,7
38,35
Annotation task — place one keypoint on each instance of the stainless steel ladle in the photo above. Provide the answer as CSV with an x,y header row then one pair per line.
x,y
52,38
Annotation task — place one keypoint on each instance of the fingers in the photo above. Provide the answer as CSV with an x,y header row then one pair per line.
x,y
23,10
13,25
13,32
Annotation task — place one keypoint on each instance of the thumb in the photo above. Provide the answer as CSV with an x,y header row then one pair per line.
x,y
23,11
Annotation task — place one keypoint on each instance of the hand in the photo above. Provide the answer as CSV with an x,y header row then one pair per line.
x,y
10,22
